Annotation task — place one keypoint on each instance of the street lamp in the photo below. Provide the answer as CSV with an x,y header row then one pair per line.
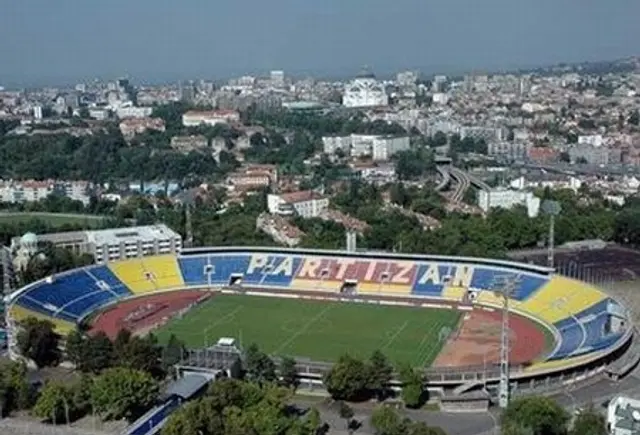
x,y
552,209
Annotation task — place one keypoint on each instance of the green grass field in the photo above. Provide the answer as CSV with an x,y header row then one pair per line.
x,y
322,331
53,219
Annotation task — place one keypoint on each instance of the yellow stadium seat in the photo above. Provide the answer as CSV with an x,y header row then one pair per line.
x,y
454,293
149,274
560,298
19,313
558,364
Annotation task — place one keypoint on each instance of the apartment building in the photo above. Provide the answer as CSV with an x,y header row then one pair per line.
x,y
505,198
507,150
33,190
213,117
380,148
305,203
113,244
132,126
280,229
186,144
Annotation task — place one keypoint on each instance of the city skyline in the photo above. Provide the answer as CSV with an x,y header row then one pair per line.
x,y
43,43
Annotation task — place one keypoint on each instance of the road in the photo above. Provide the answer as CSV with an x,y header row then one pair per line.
x,y
452,423
462,181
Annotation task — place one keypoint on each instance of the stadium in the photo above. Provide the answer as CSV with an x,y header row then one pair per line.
x,y
442,314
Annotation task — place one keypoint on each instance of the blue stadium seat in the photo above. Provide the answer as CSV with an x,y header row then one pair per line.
x,y
571,338
267,275
88,303
193,269
104,274
55,299
485,278
222,267
593,320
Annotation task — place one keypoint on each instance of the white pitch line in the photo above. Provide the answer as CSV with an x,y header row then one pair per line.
x,y
395,335
301,330
223,319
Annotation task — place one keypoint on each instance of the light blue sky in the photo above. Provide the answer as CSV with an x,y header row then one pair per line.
x,y
68,40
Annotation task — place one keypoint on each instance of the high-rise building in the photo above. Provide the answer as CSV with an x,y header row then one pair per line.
x,y
277,78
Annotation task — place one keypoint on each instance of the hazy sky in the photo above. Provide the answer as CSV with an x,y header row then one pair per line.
x,y
68,40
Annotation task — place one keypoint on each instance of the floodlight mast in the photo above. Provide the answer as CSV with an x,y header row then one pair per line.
x,y
551,208
505,287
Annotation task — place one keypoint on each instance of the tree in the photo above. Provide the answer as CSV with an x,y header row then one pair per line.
x,y
38,342
288,372
348,379
346,413
75,347
260,368
55,403
195,417
123,393
15,391
412,387
98,354
313,422
540,415
386,421
589,422
172,353
380,374
140,353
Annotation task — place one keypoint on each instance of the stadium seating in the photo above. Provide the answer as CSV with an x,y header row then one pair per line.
x,y
486,278
19,313
592,323
578,312
102,273
560,298
144,275
68,296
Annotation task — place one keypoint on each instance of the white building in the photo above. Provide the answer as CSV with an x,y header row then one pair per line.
x,y
331,144
380,148
277,78
115,244
623,416
595,140
37,112
305,203
504,198
507,150
133,112
440,98
32,190
365,91
195,118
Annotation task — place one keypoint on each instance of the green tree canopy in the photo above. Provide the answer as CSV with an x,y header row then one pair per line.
x,y
123,393
38,342
348,379
541,415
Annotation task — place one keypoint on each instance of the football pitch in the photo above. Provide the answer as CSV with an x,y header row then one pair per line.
x,y
319,330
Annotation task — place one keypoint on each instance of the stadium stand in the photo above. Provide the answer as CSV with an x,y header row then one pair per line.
x,y
148,274
583,319
68,296
560,298
19,313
